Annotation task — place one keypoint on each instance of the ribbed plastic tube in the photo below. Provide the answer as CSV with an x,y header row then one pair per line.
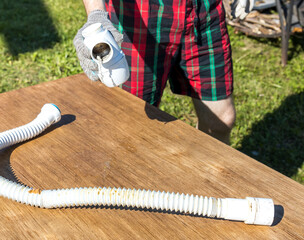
x,y
250,210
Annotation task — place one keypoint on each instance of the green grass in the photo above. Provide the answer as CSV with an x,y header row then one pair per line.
x,y
36,46
36,41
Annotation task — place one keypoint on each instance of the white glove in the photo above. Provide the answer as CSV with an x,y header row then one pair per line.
x,y
240,8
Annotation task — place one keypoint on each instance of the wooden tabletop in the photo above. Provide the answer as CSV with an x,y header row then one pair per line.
x,y
110,138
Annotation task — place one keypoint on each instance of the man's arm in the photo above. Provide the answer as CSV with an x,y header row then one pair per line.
x,y
91,5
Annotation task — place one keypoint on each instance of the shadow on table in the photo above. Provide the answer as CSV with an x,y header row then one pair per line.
x,y
6,169
154,113
26,26
277,140
278,214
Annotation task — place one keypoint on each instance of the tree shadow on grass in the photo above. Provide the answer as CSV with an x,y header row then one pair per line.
x,y
297,45
278,139
26,26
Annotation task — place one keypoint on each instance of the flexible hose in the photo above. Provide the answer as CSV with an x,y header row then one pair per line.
x,y
251,210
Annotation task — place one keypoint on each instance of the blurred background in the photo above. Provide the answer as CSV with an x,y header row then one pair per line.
x,y
36,45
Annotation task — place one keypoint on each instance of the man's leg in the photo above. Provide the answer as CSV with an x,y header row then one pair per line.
x,y
215,118
204,70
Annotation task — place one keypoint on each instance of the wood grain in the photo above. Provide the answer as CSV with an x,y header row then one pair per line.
x,y
108,137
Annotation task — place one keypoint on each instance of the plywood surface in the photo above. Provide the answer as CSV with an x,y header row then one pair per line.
x,y
110,138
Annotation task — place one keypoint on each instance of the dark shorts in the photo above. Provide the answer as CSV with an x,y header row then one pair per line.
x,y
185,41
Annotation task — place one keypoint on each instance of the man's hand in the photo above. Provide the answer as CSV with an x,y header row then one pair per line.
x,y
240,8
89,67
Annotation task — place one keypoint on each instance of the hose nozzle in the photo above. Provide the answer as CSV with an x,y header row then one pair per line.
x,y
50,112
113,68
259,211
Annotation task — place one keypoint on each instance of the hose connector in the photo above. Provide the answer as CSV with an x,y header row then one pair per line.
x,y
259,211
113,68
50,112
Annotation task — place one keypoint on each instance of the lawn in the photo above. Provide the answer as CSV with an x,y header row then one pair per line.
x,y
36,46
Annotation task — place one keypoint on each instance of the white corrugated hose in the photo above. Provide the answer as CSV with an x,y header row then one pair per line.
x,y
250,210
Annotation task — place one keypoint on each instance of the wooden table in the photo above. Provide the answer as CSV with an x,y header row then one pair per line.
x,y
108,137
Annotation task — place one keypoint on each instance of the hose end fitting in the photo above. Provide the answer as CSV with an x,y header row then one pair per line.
x,y
259,211
51,112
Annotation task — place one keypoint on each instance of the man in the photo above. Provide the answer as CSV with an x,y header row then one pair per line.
x,y
185,41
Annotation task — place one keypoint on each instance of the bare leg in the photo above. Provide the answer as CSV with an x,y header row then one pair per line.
x,y
215,118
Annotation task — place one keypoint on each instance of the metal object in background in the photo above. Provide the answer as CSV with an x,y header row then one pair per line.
x,y
300,12
290,19
285,14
